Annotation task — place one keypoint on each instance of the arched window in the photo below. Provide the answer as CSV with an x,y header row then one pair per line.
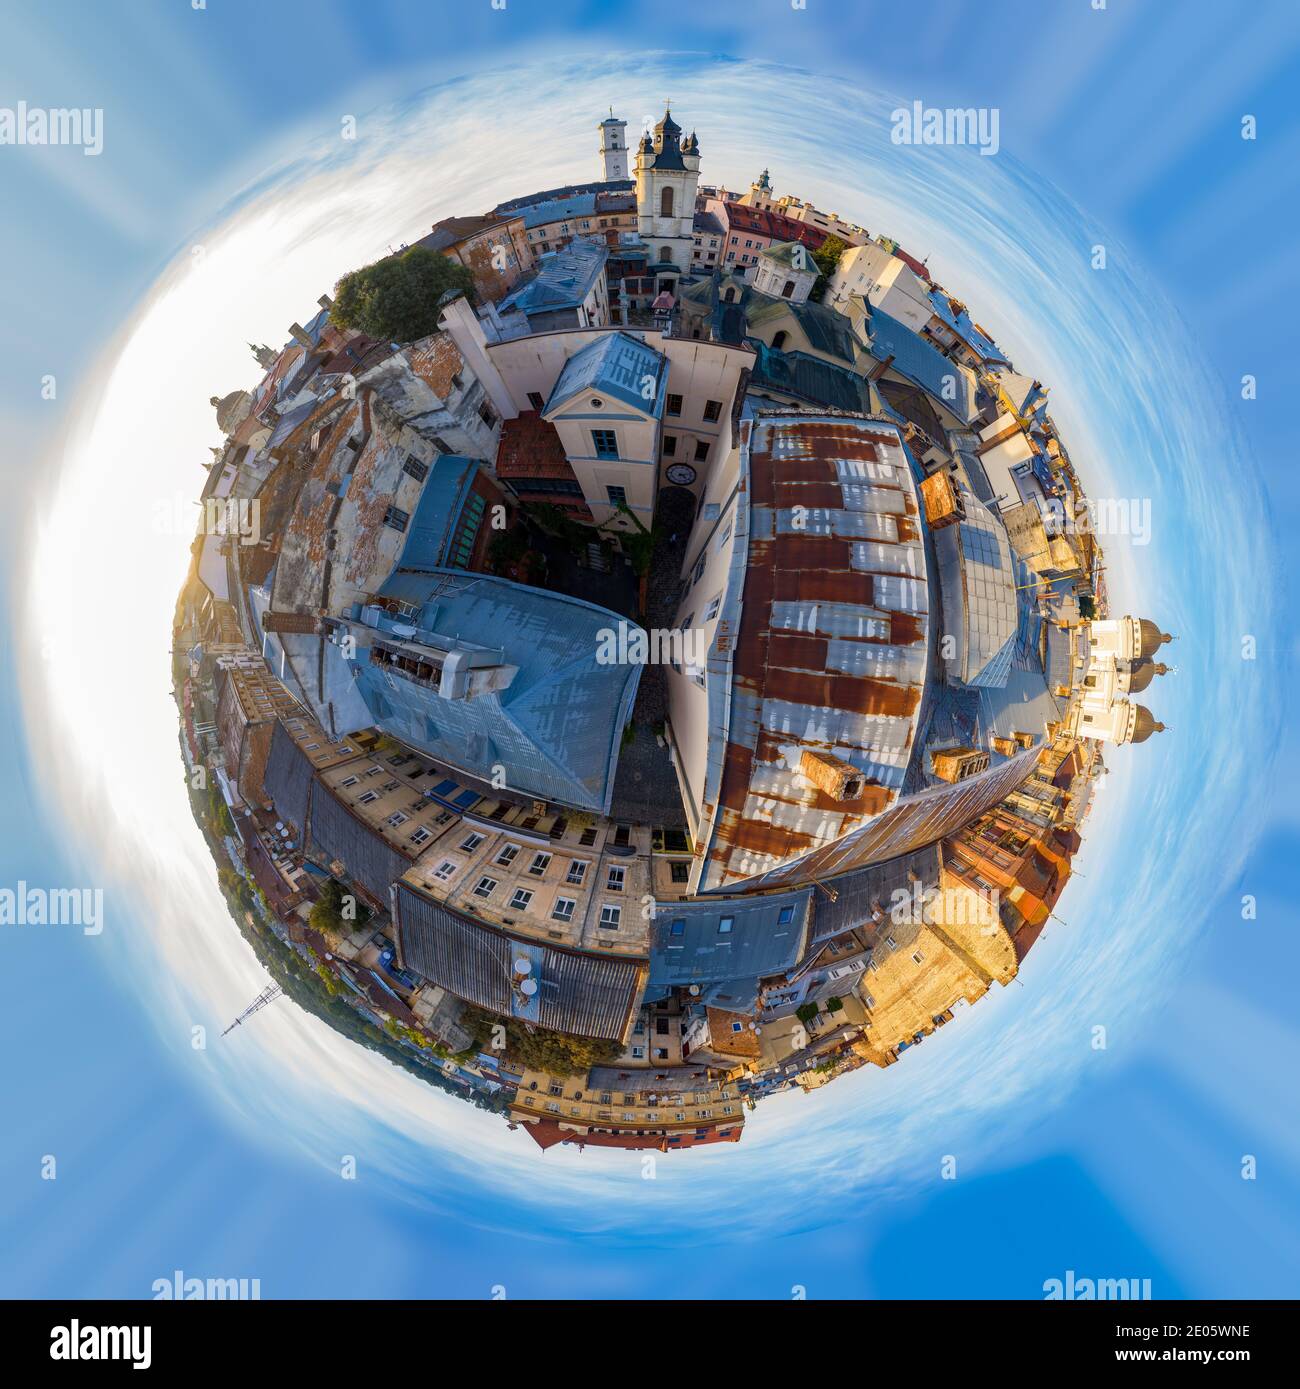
x,y
778,342
788,290
666,202
729,296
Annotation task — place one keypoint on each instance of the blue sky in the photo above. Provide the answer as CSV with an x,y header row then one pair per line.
x,y
221,132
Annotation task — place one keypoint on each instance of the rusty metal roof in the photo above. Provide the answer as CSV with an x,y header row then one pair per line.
x,y
831,652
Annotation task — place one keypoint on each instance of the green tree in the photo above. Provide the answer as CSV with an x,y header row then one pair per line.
x,y
826,257
337,911
555,1052
398,299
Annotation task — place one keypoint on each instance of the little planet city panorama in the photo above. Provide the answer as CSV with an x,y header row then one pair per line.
x,y
646,649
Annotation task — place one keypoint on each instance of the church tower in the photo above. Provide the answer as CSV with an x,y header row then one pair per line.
x,y
667,173
1120,652
613,148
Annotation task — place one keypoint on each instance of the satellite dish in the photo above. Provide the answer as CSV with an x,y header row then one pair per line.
x,y
523,966
528,987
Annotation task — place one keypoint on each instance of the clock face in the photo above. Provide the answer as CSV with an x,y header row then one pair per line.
x,y
681,473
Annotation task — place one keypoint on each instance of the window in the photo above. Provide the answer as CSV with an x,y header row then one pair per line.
x,y
670,445
414,468
712,409
605,442
471,842
678,928
421,835
441,444
724,537
519,902
788,289
714,604
686,622
697,674
617,496
699,569
891,942
786,916
563,909
725,925
535,400
444,870
666,201
538,865
398,817
395,518
508,855
917,957
487,414
616,879
485,887
674,406
350,781
577,872
610,916
369,798
778,342
701,450
681,872
588,836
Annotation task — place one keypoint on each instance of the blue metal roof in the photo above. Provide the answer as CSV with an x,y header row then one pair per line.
x,y
692,943
437,514
963,323
557,209
615,364
921,363
563,280
556,728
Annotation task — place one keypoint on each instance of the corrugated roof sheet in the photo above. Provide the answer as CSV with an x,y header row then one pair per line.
x,y
336,833
288,778
588,995
978,582
831,654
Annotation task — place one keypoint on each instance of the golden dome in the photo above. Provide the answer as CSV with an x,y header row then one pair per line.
x,y
1152,638
1143,673
1144,725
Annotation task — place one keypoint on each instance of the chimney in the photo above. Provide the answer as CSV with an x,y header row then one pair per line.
x,y
840,780
880,368
299,334
325,302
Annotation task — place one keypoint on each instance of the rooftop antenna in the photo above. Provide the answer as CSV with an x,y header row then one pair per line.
x,y
268,995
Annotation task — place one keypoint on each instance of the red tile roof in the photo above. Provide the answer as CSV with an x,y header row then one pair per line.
x,y
546,1133
531,447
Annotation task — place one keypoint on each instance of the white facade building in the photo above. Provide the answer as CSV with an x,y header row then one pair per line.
x,y
667,175
884,281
